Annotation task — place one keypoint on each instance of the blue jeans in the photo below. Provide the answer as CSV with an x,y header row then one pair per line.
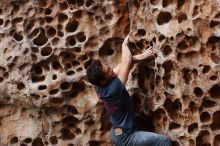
x,y
139,138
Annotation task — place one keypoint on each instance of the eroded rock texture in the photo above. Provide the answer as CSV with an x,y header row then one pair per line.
x,y
46,46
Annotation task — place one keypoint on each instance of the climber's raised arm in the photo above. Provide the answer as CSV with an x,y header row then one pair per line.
x,y
124,67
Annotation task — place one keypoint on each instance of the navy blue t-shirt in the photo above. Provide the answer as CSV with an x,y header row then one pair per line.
x,y
118,103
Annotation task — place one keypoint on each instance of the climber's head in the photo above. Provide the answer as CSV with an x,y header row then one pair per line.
x,y
99,74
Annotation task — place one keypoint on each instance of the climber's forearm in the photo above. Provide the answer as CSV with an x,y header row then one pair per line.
x,y
138,57
149,53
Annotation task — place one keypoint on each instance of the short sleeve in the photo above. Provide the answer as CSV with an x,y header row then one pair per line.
x,y
116,87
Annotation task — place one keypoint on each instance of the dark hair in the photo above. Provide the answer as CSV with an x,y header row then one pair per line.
x,y
94,72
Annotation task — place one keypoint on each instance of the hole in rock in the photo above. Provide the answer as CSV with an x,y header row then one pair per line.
x,y
42,87
213,78
217,16
166,3
217,140
72,109
163,17
203,139
213,40
37,69
54,77
141,32
20,86
160,117
154,2
166,50
77,49
14,140
182,17
195,11
89,3
87,63
48,19
47,11
161,37
105,51
198,92
1,79
205,117
215,91
65,85
215,58
94,143
82,58
17,20
175,143
35,96
66,134
79,69
110,45
71,40
78,14
26,51
168,66
6,75
23,144
18,37
67,66
182,45
173,126
180,3
70,121
214,23
208,103
34,49
53,140
171,86
193,128
51,31
195,72
108,17
173,108
179,56
28,140
62,17
216,121
71,72
56,65
81,37
70,144
104,30
90,122
56,100
63,5
1,22
205,69
54,91
80,2
78,131
72,26
37,142
73,2
36,79
60,34
41,39
46,51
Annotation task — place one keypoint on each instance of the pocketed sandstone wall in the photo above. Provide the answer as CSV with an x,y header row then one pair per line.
x,y
47,45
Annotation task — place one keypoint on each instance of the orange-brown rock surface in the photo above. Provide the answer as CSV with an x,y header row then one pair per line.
x,y
46,45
